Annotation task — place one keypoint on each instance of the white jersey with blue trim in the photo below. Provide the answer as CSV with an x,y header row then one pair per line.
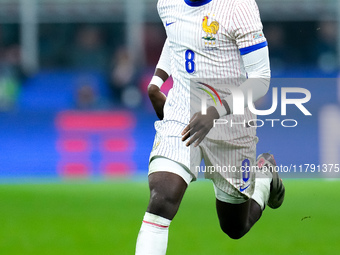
x,y
206,40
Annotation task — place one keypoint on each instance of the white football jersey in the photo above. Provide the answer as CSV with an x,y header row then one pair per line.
x,y
206,40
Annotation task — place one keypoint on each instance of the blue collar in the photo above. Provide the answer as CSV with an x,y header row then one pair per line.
x,y
197,3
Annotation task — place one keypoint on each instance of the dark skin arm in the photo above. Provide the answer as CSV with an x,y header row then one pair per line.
x,y
158,98
200,125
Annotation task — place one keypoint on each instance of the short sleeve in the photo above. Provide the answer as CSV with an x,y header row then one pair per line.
x,y
164,60
247,27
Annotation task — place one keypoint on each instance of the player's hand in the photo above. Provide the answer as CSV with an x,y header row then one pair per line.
x,y
157,99
199,126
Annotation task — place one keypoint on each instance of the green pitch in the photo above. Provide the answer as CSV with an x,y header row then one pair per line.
x,y
104,218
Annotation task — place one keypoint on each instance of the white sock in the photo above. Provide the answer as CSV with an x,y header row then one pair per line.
x,y
153,235
262,188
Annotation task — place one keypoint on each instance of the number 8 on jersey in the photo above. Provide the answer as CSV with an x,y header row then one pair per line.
x,y
189,61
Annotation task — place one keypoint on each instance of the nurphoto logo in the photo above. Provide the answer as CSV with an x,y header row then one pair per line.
x,y
238,99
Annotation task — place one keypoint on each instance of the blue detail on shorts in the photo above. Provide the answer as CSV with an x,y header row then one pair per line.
x,y
197,3
243,189
245,168
252,48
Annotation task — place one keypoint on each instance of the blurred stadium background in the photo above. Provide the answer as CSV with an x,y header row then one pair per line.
x,y
76,128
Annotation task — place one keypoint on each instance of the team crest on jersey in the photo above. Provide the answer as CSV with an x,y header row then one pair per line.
x,y
156,145
210,28
156,142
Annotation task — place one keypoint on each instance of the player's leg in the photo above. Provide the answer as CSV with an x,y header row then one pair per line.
x,y
168,181
241,192
169,176
166,193
237,217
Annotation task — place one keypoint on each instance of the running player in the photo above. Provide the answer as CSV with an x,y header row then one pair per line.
x,y
209,43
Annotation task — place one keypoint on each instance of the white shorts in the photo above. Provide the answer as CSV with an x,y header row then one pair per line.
x,y
223,161
159,164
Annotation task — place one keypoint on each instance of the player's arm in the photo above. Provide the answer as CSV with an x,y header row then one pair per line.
x,y
162,72
256,64
246,28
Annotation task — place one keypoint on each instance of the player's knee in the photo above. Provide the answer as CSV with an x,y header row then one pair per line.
x,y
234,231
163,204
